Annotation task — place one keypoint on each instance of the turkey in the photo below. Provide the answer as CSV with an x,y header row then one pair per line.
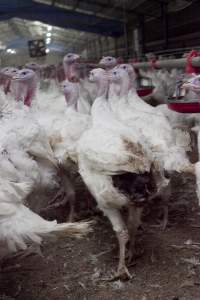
x,y
130,109
20,226
106,149
69,131
26,162
27,84
72,73
108,62
8,86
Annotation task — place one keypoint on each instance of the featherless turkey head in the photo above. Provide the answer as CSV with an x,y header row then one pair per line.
x,y
117,74
7,74
24,75
32,66
70,64
131,72
129,69
97,74
71,58
27,84
100,78
71,93
9,71
119,77
108,62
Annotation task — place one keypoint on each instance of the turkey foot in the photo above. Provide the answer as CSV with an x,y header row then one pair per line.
x,y
31,250
133,253
60,194
122,271
9,268
57,201
163,223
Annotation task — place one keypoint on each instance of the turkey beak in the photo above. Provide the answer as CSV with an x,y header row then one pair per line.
x,y
15,77
77,58
101,62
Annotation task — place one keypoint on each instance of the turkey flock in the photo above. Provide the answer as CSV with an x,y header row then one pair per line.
x,y
72,125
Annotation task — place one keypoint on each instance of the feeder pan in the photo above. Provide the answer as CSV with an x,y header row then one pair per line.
x,y
145,90
144,86
182,105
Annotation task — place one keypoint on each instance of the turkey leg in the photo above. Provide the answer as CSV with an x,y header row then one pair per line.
x,y
134,221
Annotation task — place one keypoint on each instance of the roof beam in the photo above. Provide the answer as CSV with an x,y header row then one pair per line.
x,y
62,18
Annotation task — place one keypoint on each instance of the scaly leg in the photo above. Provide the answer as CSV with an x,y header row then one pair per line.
x,y
33,249
65,194
134,221
122,235
122,271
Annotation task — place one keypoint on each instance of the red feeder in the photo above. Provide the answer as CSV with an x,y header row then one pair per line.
x,y
144,91
183,107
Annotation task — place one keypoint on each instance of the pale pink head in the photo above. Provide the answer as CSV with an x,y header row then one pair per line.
x,y
9,71
100,78
7,74
70,63
32,66
120,77
108,62
27,80
71,93
128,68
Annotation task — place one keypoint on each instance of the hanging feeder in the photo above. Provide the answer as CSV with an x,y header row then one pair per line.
x,y
144,86
181,102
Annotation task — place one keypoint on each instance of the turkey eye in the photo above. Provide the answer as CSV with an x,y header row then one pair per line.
x,y
115,73
24,73
124,67
110,59
69,55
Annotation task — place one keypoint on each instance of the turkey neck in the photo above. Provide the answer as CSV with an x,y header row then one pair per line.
x,y
26,90
70,70
102,87
124,85
72,98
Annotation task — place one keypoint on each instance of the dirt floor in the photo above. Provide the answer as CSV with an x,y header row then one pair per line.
x,y
74,269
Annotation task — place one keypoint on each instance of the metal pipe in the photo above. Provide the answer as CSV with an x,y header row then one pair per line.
x,y
170,63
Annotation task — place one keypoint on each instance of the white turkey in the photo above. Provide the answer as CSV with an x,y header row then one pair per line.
x,y
72,73
20,226
130,109
109,148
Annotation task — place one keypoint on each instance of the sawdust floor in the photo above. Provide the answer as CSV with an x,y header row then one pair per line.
x,y
74,269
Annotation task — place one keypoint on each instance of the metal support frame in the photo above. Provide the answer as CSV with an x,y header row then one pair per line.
x,y
170,63
56,16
